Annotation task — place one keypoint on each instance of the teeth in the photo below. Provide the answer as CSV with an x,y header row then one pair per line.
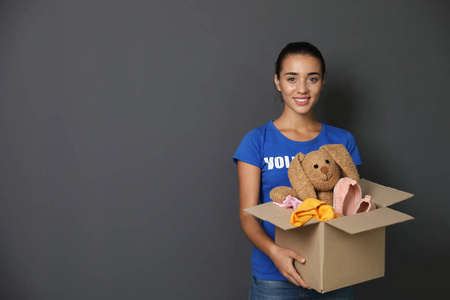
x,y
302,100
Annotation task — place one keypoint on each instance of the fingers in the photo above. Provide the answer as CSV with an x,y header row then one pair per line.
x,y
284,261
299,258
298,280
293,275
293,280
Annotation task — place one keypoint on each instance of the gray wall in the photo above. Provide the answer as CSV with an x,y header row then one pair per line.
x,y
118,121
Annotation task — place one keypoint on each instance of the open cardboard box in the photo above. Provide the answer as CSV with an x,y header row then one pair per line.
x,y
343,251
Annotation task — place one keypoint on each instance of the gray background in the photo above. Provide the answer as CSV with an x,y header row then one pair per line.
x,y
119,119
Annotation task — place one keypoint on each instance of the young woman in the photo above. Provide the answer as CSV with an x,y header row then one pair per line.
x,y
263,158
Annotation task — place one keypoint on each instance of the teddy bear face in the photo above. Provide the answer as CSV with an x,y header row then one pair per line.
x,y
322,170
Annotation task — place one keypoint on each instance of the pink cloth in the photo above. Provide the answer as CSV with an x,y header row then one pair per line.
x,y
347,198
290,202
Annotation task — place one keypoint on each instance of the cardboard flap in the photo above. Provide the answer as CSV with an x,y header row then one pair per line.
x,y
382,195
271,212
279,216
377,218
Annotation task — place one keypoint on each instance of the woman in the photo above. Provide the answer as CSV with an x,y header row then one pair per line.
x,y
263,158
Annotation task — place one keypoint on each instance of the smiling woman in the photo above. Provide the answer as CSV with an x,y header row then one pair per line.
x,y
300,83
263,158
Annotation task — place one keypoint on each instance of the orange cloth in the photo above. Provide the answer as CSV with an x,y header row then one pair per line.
x,y
312,208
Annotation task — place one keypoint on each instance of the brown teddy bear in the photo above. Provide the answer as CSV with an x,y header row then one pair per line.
x,y
315,174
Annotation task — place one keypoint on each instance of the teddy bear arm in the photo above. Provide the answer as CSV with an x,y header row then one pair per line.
x,y
280,193
305,193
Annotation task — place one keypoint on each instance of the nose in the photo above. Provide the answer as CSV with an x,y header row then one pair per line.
x,y
324,170
302,89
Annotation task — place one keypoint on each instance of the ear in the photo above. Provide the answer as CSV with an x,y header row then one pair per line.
x,y
277,82
299,180
343,159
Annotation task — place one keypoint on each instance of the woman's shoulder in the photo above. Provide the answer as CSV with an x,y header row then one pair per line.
x,y
252,145
335,130
260,131
338,134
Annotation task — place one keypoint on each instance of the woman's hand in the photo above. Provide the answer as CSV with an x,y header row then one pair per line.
x,y
284,260
249,188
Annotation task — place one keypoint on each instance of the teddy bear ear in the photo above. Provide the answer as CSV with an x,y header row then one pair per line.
x,y
300,156
299,181
344,160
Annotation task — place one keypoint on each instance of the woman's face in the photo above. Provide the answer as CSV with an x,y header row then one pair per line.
x,y
300,82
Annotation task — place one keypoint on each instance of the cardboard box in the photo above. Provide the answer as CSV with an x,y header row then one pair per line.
x,y
343,251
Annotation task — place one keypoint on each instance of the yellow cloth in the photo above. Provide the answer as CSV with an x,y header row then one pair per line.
x,y
312,208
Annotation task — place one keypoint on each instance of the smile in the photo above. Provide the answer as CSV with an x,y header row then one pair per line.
x,y
302,101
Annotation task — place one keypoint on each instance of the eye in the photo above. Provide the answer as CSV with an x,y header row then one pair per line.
x,y
316,166
291,79
327,161
314,80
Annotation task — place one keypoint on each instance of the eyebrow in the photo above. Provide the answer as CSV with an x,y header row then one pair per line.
x,y
295,73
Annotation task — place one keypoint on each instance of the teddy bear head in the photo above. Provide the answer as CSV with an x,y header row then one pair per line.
x,y
319,171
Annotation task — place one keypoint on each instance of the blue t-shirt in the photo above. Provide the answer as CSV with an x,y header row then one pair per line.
x,y
268,149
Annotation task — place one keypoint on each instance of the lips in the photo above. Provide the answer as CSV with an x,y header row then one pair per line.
x,y
302,101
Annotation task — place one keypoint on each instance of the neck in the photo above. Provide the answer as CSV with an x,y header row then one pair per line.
x,y
297,122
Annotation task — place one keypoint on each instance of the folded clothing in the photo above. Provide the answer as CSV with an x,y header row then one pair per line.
x,y
312,208
289,202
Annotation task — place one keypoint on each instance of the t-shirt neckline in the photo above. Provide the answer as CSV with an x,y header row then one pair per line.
x,y
310,142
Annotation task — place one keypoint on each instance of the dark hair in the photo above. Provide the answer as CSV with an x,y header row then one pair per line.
x,y
304,48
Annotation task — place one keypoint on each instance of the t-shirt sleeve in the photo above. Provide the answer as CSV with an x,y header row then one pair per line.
x,y
353,149
249,150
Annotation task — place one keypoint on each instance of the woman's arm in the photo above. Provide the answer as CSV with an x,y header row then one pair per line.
x,y
249,185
